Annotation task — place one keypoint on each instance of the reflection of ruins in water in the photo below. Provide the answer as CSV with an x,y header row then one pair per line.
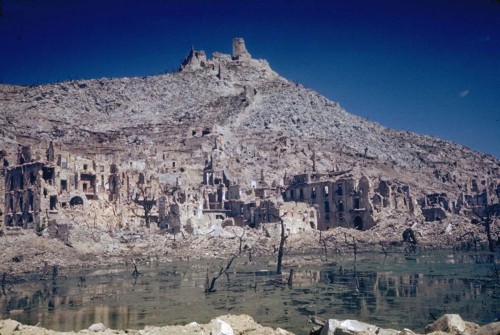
x,y
400,294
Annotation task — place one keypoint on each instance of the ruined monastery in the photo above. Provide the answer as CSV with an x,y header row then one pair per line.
x,y
224,141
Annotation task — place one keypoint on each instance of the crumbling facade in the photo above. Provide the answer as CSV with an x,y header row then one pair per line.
x,y
340,202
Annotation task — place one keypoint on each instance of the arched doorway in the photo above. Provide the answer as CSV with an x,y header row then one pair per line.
x,y
358,223
76,200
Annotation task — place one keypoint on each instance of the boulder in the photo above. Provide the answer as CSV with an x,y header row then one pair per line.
x,y
347,327
8,326
97,327
489,329
221,328
448,323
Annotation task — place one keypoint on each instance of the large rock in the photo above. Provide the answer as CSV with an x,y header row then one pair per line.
x,y
221,328
97,327
9,326
490,329
448,323
352,327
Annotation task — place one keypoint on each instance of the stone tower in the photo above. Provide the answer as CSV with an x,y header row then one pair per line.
x,y
239,50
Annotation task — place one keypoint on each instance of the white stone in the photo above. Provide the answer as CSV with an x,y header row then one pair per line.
x,y
449,323
97,327
222,328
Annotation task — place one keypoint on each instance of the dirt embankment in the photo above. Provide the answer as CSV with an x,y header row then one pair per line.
x,y
23,253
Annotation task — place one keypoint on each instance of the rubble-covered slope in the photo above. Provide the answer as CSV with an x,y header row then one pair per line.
x,y
246,103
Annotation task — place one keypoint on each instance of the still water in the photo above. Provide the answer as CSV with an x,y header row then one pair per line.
x,y
395,291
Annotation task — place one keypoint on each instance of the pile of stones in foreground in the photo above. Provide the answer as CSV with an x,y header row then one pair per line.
x,y
243,324
447,324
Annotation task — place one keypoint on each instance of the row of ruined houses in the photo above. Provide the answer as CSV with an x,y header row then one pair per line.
x,y
33,191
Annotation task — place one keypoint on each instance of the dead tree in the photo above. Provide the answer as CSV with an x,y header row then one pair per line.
x,y
210,284
144,199
486,219
281,249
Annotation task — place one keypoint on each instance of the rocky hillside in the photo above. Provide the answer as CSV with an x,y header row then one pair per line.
x,y
255,118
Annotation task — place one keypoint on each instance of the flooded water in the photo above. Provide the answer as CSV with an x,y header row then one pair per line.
x,y
394,292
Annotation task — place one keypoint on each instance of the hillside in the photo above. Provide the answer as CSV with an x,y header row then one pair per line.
x,y
234,114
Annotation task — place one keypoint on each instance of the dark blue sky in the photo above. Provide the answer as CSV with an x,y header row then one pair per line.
x,y
428,66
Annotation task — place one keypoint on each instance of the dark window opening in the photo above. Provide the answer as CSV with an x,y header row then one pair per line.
x,y
339,190
173,164
53,202
32,177
48,174
327,207
84,186
292,194
31,201
313,193
21,204
64,185
45,193
21,181
341,206
76,201
141,179
64,204
219,217
301,194
356,203
358,223
85,166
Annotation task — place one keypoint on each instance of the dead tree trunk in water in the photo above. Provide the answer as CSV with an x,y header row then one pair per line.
x,y
281,250
209,288
486,220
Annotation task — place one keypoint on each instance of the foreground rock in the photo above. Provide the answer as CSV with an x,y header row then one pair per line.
x,y
223,325
447,324
245,324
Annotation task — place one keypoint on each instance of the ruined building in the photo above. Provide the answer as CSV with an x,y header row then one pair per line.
x,y
340,202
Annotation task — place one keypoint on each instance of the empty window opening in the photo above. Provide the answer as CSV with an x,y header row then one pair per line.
x,y
53,202
358,223
32,177
356,203
341,206
339,189
85,166
76,201
48,174
64,185
327,207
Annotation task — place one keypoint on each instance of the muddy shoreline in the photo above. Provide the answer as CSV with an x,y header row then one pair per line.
x,y
26,256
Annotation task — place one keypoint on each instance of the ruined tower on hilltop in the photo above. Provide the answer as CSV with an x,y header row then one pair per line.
x,y
239,50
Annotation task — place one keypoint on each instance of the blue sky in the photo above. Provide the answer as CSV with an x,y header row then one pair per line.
x,y
427,66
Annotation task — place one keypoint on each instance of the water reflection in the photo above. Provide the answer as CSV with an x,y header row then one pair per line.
x,y
402,291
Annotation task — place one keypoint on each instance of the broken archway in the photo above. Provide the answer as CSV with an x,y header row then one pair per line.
x,y
358,223
76,200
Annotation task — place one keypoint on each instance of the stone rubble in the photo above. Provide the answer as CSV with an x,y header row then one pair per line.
x,y
448,324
